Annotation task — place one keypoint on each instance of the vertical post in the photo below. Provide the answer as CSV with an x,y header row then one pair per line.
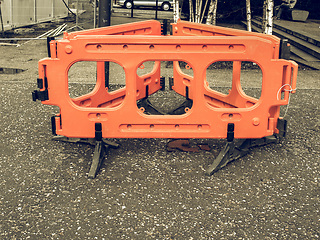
x,y
165,27
248,7
34,10
11,12
132,7
176,11
52,7
157,2
104,13
49,39
77,13
1,20
94,13
104,20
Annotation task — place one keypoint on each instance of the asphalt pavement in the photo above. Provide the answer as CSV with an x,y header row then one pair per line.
x,y
143,191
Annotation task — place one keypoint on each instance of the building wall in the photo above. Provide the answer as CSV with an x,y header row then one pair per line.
x,y
19,13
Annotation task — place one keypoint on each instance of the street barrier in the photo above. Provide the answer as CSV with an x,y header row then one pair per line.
x,y
205,113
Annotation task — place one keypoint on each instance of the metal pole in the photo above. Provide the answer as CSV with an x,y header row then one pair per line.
x,y
104,20
94,13
132,7
35,10
104,13
156,9
1,20
77,11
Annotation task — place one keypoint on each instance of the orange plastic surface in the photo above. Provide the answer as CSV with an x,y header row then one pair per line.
x,y
198,45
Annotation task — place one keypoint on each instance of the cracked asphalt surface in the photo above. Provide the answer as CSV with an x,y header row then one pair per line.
x,y
143,191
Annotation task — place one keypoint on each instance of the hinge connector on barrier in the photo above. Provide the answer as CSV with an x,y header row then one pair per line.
x,y
98,131
49,39
164,27
187,93
163,83
53,125
230,133
171,83
282,128
284,49
41,95
40,82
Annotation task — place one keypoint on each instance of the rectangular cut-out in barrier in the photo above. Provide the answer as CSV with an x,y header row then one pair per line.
x,y
198,46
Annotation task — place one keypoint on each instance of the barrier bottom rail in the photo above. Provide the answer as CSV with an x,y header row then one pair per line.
x,y
232,151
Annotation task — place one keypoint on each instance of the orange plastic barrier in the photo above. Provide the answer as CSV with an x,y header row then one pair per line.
x,y
213,114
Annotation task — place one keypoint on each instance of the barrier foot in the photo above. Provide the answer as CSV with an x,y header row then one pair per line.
x,y
91,141
182,108
152,110
235,150
100,151
99,154
149,108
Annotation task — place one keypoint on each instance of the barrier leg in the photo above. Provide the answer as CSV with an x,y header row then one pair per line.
x,y
181,109
99,154
234,150
149,108
152,110
100,151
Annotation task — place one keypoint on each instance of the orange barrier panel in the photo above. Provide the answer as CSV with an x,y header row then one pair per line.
x,y
211,111
212,115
